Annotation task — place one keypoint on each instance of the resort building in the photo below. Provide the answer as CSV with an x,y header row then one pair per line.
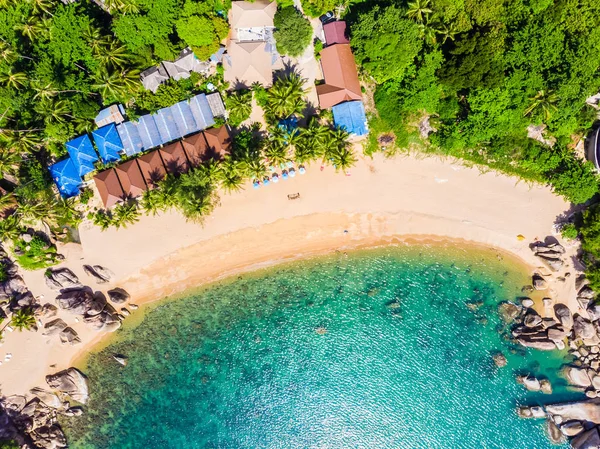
x,y
152,168
251,53
108,143
341,90
181,68
131,178
109,187
111,114
173,155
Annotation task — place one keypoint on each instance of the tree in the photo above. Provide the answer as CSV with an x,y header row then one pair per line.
x,y
16,80
293,32
202,33
9,162
311,142
10,228
231,175
125,214
285,98
23,319
239,105
544,101
338,151
419,10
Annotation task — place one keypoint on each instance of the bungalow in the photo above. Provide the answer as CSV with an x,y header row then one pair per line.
x,y
112,114
181,68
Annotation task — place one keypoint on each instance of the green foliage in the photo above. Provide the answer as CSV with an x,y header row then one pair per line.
x,y
9,445
36,254
166,95
202,33
315,8
569,231
293,31
86,195
285,98
121,216
23,319
3,272
239,105
589,231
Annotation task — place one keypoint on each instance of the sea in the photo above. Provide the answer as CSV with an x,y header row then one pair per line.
x,y
386,348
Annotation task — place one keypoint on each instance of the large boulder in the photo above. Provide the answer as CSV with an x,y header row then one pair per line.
x,y
105,321
49,437
60,278
578,376
69,336
103,272
571,428
586,292
564,316
588,410
47,397
557,333
587,440
71,382
538,282
532,319
78,301
541,344
509,311
118,295
54,327
583,328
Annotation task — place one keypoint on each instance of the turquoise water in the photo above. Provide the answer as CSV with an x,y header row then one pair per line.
x,y
374,349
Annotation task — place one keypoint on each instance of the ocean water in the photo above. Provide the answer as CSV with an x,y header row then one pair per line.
x,y
379,349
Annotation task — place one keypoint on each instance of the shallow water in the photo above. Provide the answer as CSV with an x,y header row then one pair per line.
x,y
378,349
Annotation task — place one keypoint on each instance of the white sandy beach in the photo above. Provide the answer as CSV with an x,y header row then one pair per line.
x,y
383,201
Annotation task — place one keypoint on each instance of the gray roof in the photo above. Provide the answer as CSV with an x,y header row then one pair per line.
x,y
215,102
154,77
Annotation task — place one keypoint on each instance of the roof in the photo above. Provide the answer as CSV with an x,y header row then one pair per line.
x,y
216,105
335,33
174,158
351,117
148,130
184,118
65,176
251,14
108,143
218,55
130,138
111,114
82,154
131,178
152,168
196,148
202,112
341,76
165,122
153,77
219,141
248,63
109,187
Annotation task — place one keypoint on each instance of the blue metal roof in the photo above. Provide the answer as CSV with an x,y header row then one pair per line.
x,y
351,117
201,112
166,125
186,124
65,176
82,153
148,132
108,143
130,137
218,55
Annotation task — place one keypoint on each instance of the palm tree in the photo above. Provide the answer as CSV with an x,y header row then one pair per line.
x,y
255,169
239,105
66,212
211,170
9,162
41,6
7,202
23,319
125,214
447,32
102,219
154,201
419,10
10,228
124,6
113,55
36,211
54,111
427,33
544,100
13,79
7,54
286,97
23,141
116,85
231,175
338,150
31,29
95,39
311,142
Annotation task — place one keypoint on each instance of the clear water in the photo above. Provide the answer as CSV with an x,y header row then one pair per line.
x,y
374,349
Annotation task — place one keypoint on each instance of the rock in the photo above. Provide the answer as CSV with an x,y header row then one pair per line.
x,y
70,382
14,404
499,360
550,248
554,433
527,302
583,328
125,311
542,344
557,333
586,292
587,410
560,345
563,314
539,283
531,412
74,411
591,394
69,336
571,428
48,311
578,377
49,437
133,306
54,327
118,295
89,270
63,278
594,311
583,303
583,351
508,311
103,272
47,397
532,319
589,439
549,322
103,321
121,359
531,383
545,386
78,301
27,238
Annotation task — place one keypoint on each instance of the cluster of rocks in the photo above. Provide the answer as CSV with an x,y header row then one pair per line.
x,y
532,383
551,254
14,294
32,421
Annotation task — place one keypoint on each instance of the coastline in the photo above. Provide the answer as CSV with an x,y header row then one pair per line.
x,y
397,201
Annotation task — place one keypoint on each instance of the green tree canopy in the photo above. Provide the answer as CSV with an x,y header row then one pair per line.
x,y
293,31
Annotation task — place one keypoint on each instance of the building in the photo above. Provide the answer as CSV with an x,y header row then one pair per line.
x,y
216,105
219,142
152,168
181,68
251,53
109,187
173,155
335,33
82,153
351,117
341,76
66,177
108,143
153,77
111,114
131,178
196,148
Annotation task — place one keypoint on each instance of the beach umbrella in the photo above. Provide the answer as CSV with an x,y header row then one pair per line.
x,y
284,175
301,170
275,178
266,181
292,172
256,184
290,164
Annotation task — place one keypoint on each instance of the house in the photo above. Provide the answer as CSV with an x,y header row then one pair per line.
x,y
173,155
219,142
335,33
111,114
82,153
109,187
108,143
341,76
153,77
251,53
152,168
216,105
131,178
196,148
66,177
186,63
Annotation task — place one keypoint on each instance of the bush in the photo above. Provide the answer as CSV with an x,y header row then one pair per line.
x,y
293,32
9,445
36,254
569,231
86,195
239,105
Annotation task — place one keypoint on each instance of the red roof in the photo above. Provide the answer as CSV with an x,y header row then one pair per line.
x,y
152,168
195,147
341,76
109,188
335,33
219,142
131,178
174,158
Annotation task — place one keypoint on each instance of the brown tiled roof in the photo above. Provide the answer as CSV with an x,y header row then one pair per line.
x,y
219,142
341,76
174,158
335,33
131,178
109,188
152,168
196,148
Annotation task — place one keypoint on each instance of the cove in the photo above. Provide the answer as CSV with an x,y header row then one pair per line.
x,y
384,348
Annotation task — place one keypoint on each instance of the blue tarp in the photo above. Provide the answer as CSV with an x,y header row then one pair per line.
x,y
82,154
65,176
108,143
201,112
351,117
130,137
148,132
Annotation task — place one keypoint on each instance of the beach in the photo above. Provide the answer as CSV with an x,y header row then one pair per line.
x,y
381,201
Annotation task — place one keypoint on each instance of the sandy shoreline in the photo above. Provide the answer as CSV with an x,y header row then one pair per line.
x,y
403,200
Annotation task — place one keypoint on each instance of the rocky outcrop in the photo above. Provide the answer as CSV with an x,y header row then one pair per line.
x,y
70,382
118,296
62,278
100,273
550,254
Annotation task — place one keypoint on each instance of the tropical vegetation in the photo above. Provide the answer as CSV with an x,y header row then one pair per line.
x,y
23,319
293,32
